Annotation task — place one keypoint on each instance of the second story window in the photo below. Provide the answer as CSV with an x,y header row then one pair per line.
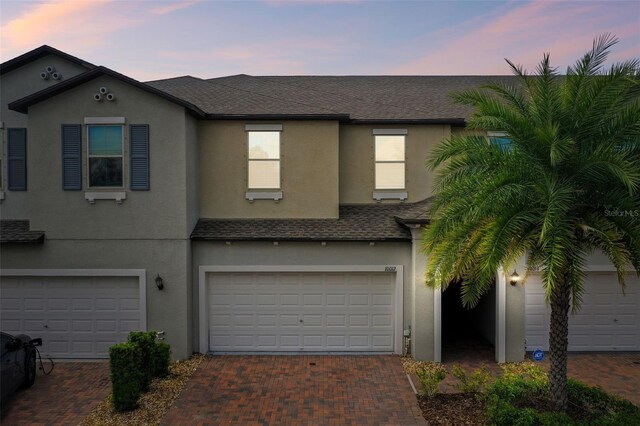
x,y
500,138
105,154
390,162
264,160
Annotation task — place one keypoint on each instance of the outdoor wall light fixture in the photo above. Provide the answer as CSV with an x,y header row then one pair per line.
x,y
159,282
514,278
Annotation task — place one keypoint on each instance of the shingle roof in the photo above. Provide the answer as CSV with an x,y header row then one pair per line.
x,y
357,222
17,231
361,98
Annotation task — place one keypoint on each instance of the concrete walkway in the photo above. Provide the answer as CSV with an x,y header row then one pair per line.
x,y
297,390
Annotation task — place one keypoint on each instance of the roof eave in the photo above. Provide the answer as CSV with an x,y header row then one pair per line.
x,y
39,239
292,117
452,121
302,239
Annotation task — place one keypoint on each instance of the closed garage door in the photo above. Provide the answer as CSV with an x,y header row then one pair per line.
x,y
77,317
608,320
301,311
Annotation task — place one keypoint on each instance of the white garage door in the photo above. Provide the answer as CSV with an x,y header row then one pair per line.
x,y
301,311
76,317
608,320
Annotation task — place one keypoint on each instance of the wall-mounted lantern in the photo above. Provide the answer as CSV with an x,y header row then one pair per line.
x,y
159,282
514,278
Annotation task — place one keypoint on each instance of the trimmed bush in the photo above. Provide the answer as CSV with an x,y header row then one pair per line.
x,y
161,359
476,382
430,375
146,341
126,375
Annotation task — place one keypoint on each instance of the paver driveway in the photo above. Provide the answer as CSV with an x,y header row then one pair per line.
x,y
297,390
64,397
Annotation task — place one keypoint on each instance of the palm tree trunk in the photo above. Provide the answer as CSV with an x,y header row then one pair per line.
x,y
558,342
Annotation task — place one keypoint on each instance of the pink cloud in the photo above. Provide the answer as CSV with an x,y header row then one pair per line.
x,y
56,23
173,7
521,35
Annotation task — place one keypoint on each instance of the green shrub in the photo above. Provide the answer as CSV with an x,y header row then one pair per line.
x,y
126,376
501,412
526,370
146,341
161,359
512,396
475,383
430,375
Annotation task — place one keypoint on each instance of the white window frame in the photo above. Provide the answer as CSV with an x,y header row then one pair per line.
x,y
264,128
389,132
89,156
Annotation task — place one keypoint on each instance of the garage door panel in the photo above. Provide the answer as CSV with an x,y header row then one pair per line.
x,y
302,312
607,321
76,317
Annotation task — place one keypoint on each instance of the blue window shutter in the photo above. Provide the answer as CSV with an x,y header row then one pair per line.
x,y
71,156
17,156
139,156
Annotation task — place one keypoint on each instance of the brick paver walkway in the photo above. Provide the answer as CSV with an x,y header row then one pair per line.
x,y
297,390
64,397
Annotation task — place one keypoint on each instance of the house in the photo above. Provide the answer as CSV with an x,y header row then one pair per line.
x,y
245,214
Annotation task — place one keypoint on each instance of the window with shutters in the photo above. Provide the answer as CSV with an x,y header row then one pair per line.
x,y
105,156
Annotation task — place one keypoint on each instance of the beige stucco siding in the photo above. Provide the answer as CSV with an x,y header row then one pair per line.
x,y
308,165
157,213
357,150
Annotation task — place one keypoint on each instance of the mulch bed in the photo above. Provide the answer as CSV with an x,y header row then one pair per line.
x,y
152,405
453,409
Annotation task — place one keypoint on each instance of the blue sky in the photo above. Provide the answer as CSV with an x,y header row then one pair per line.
x,y
158,39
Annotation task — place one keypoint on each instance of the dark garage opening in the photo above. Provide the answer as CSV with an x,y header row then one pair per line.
x,y
468,334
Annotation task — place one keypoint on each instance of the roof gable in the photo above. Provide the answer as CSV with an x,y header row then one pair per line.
x,y
38,53
22,105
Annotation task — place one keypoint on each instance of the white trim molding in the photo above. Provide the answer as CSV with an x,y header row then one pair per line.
x,y
390,132
203,311
117,196
390,195
437,325
501,316
104,120
263,127
263,195
141,274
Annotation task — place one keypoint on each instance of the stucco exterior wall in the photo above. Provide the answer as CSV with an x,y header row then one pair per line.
x,y
156,214
309,171
357,161
26,80
301,253
167,310
21,82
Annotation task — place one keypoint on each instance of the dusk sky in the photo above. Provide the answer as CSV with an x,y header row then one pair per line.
x,y
159,39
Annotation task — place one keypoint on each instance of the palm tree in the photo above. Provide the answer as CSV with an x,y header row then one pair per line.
x,y
568,183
